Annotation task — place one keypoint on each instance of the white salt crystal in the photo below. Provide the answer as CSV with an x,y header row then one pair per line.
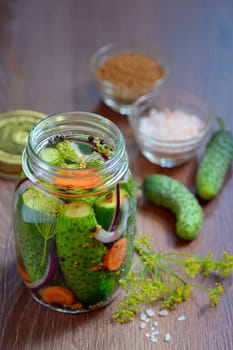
x,y
154,339
142,325
163,312
150,312
143,316
154,333
181,318
167,337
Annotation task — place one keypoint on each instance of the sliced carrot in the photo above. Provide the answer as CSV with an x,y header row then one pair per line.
x,y
97,267
115,256
57,295
78,182
23,273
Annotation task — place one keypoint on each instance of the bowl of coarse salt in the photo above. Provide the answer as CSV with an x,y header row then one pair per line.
x,y
170,126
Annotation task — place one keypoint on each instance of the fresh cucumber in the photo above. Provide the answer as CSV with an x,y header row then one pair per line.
x,y
81,256
214,163
167,192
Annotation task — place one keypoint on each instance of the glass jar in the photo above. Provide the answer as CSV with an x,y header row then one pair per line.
x,y
74,212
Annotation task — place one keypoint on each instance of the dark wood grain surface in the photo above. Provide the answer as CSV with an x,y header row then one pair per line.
x,y
45,49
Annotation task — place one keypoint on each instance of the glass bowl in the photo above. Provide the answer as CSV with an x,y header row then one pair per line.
x,y
170,126
125,80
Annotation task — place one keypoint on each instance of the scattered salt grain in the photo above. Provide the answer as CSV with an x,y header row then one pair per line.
x,y
147,320
171,125
143,316
167,337
154,339
142,325
147,335
181,318
163,312
154,333
150,312
156,323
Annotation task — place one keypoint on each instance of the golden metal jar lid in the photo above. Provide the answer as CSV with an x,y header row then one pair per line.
x,y
14,128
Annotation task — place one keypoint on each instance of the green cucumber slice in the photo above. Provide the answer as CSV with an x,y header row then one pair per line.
x,y
51,155
77,209
105,207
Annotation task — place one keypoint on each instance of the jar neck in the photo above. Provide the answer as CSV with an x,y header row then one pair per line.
x,y
77,181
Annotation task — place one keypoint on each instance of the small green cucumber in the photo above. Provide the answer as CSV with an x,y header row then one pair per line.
x,y
214,163
167,192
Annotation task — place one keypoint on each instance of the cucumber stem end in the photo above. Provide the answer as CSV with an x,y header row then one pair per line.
x,y
221,123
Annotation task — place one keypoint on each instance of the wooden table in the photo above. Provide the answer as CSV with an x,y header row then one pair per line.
x,y
45,48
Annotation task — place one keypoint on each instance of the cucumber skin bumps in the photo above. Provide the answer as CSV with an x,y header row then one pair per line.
x,y
215,163
78,253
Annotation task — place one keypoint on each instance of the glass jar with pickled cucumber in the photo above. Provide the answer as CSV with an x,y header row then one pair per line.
x,y
74,212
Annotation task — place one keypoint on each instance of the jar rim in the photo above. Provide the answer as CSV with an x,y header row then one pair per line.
x,y
74,123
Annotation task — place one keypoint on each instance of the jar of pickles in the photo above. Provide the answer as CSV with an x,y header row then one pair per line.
x,y
74,212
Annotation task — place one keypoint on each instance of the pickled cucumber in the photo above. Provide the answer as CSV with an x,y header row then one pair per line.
x,y
81,256
167,192
35,228
38,207
214,164
31,247
105,207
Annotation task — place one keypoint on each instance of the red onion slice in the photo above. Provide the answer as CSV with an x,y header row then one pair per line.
x,y
49,273
115,218
23,185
